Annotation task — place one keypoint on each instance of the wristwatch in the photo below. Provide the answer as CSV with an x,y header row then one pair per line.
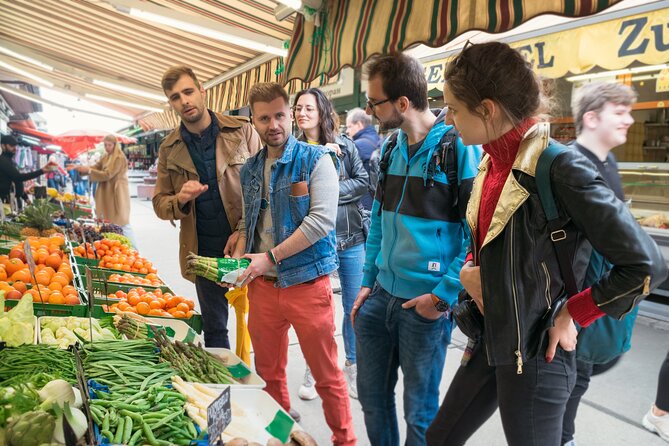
x,y
439,304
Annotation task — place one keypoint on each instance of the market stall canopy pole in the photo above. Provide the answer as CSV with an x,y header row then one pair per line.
x,y
351,31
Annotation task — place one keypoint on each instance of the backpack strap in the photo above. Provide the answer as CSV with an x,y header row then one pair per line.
x,y
557,234
449,158
383,167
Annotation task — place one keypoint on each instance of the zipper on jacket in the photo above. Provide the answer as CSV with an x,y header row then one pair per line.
x,y
547,292
635,301
646,290
514,293
397,208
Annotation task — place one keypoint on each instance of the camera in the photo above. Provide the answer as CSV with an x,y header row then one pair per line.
x,y
468,317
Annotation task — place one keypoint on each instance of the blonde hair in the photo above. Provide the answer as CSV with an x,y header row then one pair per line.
x,y
267,92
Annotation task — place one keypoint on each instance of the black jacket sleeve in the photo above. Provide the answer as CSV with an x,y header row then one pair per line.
x,y
354,187
610,227
8,168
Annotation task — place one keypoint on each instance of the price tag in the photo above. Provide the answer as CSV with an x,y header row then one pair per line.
x,y
219,416
89,288
31,265
29,257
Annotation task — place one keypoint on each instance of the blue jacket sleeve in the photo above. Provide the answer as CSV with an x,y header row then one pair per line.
x,y
468,161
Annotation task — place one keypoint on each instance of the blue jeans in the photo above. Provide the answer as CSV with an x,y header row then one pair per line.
x,y
389,337
351,261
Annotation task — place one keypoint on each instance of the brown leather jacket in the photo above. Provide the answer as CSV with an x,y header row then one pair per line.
x,y
236,142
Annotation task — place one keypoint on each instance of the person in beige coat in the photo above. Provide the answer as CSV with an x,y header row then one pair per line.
x,y
112,197
198,183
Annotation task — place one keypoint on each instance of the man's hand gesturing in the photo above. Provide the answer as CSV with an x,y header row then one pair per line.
x,y
190,191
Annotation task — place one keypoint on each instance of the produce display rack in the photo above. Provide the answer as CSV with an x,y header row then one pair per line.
x,y
195,322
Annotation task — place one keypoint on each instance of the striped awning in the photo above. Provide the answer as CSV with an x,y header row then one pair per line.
x,y
88,40
232,94
351,31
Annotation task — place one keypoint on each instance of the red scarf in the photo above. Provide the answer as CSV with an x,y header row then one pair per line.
x,y
502,153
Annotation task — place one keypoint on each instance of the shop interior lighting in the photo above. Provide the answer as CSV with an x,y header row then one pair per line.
x,y
27,59
134,91
603,74
208,32
119,102
24,73
295,4
34,98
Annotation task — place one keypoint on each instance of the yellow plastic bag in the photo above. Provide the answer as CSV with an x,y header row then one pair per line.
x,y
238,298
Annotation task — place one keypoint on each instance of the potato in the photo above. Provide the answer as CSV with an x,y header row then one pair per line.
x,y
237,442
302,438
274,442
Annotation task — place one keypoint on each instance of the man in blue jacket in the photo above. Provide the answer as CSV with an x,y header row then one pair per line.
x,y
415,249
359,128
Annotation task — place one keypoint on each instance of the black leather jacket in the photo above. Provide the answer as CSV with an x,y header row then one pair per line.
x,y
520,276
353,181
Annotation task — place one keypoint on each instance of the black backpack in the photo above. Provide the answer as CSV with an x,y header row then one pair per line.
x,y
446,155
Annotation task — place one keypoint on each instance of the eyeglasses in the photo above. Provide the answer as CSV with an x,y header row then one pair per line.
x,y
303,109
371,104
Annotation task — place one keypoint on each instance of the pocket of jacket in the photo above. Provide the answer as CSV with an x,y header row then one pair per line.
x,y
299,208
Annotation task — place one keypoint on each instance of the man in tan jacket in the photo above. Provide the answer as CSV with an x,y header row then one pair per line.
x,y
198,183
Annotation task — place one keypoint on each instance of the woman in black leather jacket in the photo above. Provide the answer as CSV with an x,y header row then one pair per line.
x,y
317,120
523,359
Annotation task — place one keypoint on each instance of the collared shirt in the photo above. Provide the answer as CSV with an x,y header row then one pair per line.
x,y
608,169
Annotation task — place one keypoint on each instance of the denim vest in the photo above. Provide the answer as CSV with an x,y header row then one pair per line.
x,y
295,165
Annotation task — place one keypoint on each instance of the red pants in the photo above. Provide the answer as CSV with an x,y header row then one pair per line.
x,y
309,308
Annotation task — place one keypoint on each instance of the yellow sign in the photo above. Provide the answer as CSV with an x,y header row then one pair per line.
x,y
609,45
662,84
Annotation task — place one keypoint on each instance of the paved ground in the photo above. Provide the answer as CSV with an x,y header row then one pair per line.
x,y
609,415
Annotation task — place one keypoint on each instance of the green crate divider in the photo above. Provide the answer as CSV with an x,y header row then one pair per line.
x,y
112,287
194,322
84,261
98,273
53,309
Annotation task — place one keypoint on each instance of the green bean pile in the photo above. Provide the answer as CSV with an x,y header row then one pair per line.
x,y
37,364
139,408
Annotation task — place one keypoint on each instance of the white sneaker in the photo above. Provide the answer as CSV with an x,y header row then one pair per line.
x,y
657,424
351,374
308,388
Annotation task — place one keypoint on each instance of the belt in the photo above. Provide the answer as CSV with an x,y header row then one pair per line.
x,y
276,279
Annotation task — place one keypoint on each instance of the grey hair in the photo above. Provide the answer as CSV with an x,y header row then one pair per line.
x,y
359,115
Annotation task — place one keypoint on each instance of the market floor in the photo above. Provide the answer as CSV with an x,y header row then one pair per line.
x,y
610,414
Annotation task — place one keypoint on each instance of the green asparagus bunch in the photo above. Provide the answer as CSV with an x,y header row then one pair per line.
x,y
213,268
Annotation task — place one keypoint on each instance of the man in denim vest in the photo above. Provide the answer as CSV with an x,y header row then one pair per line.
x,y
290,192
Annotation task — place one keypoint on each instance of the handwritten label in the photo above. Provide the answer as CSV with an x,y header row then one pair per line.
x,y
29,257
219,416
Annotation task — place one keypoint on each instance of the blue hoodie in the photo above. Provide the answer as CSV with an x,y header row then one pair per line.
x,y
367,141
417,245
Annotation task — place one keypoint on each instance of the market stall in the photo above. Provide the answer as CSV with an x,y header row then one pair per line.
x,y
95,348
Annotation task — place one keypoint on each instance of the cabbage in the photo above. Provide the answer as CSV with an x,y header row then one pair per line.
x,y
17,326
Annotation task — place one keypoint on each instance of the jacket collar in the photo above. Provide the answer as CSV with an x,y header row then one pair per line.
x,y
513,194
224,122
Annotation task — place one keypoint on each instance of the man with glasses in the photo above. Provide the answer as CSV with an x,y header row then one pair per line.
x,y
415,250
